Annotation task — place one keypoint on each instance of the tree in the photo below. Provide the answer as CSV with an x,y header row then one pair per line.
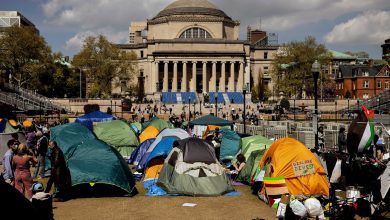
x,y
104,64
348,94
291,70
284,103
25,55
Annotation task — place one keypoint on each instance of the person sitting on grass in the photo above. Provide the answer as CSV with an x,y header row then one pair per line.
x,y
238,166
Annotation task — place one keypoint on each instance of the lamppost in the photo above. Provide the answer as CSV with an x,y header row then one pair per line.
x,y
294,108
348,110
200,107
244,116
189,109
216,105
315,69
111,105
378,104
81,94
335,109
194,110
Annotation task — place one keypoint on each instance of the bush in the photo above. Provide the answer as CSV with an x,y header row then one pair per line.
x,y
284,103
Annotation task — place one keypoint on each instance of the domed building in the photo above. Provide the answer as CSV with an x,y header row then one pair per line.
x,y
192,47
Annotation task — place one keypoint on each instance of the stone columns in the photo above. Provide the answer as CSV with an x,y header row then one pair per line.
x,y
223,77
156,77
184,78
213,79
240,79
204,77
165,84
231,78
193,80
174,81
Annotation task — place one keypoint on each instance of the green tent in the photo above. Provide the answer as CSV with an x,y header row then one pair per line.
x,y
251,164
252,143
136,126
210,120
157,123
9,129
94,166
230,144
117,134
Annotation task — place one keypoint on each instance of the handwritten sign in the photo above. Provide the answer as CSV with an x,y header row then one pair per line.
x,y
303,167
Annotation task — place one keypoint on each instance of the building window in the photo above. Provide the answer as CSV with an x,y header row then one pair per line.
x,y
386,85
265,55
386,73
195,33
365,74
142,53
365,84
379,84
354,86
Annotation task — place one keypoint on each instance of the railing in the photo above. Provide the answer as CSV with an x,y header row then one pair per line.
x,y
41,101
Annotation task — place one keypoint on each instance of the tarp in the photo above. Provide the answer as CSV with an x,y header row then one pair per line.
x,y
210,120
137,154
252,162
292,160
253,143
230,144
177,133
92,163
193,169
148,133
117,134
157,123
97,116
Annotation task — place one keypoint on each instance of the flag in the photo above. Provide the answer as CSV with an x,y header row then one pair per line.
x,y
361,131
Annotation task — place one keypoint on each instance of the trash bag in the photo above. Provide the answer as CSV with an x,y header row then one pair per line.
x,y
313,207
298,208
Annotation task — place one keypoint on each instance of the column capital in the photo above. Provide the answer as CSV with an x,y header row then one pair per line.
x,y
156,62
223,62
232,62
214,62
165,61
175,62
205,62
184,62
194,62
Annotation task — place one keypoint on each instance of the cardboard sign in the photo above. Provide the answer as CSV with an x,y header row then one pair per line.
x,y
303,167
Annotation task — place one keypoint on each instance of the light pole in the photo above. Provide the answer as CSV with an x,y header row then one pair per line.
x,y
81,94
244,116
315,69
216,105
348,109
200,107
111,105
294,108
379,104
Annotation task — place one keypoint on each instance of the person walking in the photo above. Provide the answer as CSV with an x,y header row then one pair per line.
x,y
8,174
342,140
41,149
21,163
60,174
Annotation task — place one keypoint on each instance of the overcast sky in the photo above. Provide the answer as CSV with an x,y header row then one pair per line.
x,y
342,25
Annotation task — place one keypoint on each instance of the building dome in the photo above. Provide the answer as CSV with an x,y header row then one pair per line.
x,y
191,7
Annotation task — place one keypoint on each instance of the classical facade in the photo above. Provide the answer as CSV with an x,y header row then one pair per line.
x,y
192,46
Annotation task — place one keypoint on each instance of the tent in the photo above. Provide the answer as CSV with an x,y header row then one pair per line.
x,y
117,134
137,154
149,132
303,173
163,149
157,123
200,124
97,116
137,127
385,183
252,162
230,144
253,143
7,127
95,167
192,169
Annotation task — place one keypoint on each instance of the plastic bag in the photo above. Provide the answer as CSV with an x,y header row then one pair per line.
x,y
298,208
313,207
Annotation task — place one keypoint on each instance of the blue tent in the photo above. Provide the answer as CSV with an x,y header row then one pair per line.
x,y
97,116
163,148
137,154
230,145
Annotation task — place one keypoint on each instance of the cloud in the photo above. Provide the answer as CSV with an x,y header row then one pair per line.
x,y
369,27
75,43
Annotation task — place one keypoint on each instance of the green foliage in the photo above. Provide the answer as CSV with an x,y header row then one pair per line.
x,y
255,93
104,64
291,70
348,95
284,103
26,56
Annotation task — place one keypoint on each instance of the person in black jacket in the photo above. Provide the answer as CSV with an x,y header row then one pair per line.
x,y
342,140
60,174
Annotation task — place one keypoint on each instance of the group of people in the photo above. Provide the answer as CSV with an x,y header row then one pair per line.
x,y
20,157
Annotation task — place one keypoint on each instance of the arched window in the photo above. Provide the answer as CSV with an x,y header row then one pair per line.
x,y
195,33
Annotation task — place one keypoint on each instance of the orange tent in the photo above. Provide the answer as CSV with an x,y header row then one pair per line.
x,y
302,171
27,123
149,132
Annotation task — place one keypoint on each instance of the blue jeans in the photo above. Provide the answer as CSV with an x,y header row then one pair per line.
x,y
40,169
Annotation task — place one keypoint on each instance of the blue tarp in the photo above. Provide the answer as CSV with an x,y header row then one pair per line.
x,y
230,145
137,154
97,116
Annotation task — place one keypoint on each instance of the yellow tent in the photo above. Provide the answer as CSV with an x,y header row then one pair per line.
x,y
149,132
208,129
13,123
300,168
154,168
27,123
